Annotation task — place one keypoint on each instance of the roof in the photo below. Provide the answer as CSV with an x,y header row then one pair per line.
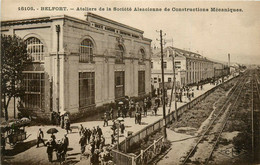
x,y
180,52
25,21
89,14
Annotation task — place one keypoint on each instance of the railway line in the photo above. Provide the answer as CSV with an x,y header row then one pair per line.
x,y
209,139
255,118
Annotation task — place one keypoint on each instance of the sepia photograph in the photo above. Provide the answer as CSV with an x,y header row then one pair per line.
x,y
127,82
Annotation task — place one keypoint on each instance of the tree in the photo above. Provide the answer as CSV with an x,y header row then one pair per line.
x,y
14,59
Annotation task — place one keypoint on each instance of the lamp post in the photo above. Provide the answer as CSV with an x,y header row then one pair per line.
x,y
58,68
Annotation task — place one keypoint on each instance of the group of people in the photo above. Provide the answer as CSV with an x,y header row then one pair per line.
x,y
61,120
53,145
98,152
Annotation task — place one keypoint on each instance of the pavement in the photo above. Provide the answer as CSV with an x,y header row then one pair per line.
x,y
27,153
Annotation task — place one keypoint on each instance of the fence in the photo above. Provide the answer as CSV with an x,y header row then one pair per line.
x,y
147,155
124,159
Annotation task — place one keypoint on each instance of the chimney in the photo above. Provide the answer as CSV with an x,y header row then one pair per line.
x,y
228,60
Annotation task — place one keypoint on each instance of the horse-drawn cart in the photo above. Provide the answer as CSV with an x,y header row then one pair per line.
x,y
15,131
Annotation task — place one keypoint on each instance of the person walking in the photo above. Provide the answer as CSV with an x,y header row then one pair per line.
x,y
82,142
50,147
62,121
58,119
105,120
155,110
65,142
81,129
122,126
67,126
111,112
40,136
99,131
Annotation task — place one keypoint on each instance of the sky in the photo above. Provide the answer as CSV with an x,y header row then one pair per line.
x,y
212,34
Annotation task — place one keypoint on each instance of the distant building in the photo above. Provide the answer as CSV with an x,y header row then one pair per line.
x,y
101,60
190,67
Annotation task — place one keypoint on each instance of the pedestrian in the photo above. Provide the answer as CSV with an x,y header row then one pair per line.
x,y
40,136
99,131
67,126
113,127
50,147
58,119
94,160
65,142
105,120
111,112
62,121
81,129
145,108
119,111
53,118
94,131
82,142
136,117
122,127
113,139
180,96
88,135
59,150
157,101
92,146
102,142
98,141
155,110
132,108
166,100
140,118
192,94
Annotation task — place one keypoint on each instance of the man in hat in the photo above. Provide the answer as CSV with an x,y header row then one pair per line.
x,y
40,137
82,143
65,142
50,147
99,131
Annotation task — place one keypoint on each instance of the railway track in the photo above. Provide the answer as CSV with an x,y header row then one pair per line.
x,y
216,127
255,119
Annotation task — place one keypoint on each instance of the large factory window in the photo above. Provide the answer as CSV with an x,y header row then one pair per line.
x,y
86,51
86,89
119,84
141,82
141,56
33,98
35,49
119,54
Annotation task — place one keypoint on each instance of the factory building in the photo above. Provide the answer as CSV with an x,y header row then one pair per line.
x,y
190,67
100,61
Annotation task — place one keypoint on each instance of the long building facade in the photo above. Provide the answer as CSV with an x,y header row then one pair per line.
x,y
100,61
190,67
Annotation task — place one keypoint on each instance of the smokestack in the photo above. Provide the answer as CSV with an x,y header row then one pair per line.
x,y
228,60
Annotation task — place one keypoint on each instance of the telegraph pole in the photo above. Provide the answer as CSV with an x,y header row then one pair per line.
x,y
163,91
174,79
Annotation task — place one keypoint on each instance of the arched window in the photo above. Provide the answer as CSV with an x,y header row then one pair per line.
x,y
141,56
119,54
35,49
86,51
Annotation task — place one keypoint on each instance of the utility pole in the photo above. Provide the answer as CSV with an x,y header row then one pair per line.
x,y
163,91
174,79
58,69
